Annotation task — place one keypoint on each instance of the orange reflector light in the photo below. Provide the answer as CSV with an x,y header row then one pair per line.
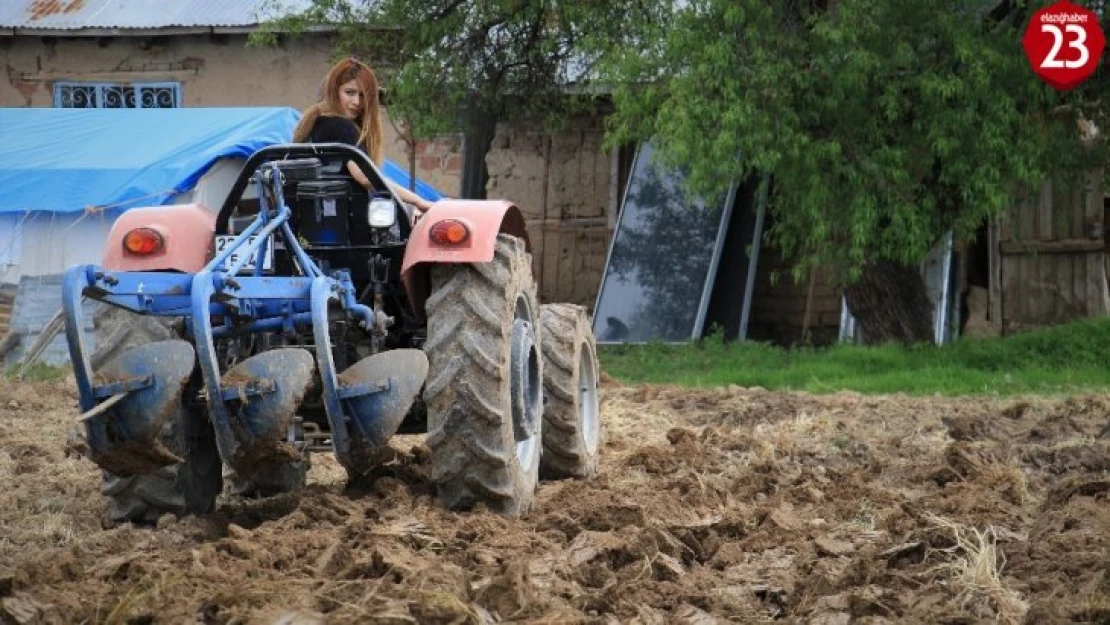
x,y
449,232
143,241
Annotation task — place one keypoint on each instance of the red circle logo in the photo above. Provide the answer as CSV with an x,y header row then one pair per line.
x,y
1064,44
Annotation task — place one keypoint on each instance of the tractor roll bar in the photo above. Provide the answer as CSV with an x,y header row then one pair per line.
x,y
299,150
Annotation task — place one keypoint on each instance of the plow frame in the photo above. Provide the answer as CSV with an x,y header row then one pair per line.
x,y
257,303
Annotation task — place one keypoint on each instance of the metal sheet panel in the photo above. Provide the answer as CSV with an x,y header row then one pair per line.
x,y
136,14
658,275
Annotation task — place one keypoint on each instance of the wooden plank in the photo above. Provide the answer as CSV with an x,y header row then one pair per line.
x,y
1066,301
1088,288
1042,298
1079,283
1099,299
1045,209
1075,228
1088,278
1063,246
1093,204
1026,227
8,342
994,260
1022,289
1006,220
1105,223
1033,295
614,204
1011,288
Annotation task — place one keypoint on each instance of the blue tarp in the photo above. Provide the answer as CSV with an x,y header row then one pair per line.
x,y
66,160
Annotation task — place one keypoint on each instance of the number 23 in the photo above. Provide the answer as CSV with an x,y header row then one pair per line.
x,y
1078,43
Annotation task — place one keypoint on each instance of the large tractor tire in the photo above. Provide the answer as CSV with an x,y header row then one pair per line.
x,y
485,375
572,412
190,487
118,330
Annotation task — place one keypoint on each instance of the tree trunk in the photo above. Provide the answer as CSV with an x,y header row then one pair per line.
x,y
890,303
477,139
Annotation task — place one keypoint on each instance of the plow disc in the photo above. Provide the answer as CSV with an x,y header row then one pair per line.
x,y
262,395
144,386
378,391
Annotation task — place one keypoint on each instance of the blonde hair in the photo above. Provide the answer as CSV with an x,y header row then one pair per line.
x,y
369,124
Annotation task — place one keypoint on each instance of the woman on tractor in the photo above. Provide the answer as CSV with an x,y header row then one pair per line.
x,y
349,113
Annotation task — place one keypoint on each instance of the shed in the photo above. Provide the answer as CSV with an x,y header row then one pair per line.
x,y
1047,256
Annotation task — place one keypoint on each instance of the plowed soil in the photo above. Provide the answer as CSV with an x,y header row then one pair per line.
x,y
724,505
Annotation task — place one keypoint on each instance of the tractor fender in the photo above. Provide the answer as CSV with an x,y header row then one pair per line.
x,y
186,231
484,218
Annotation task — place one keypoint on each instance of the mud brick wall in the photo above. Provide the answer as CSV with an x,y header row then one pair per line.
x,y
562,183
778,307
438,160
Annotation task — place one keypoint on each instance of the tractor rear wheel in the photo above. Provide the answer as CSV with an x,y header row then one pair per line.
x,y
484,390
190,487
118,330
572,413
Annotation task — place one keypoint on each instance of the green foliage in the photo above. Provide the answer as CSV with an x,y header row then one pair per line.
x,y
885,124
1060,359
446,60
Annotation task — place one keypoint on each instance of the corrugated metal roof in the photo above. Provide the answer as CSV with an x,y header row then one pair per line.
x,y
138,14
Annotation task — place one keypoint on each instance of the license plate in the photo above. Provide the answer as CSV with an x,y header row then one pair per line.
x,y
224,240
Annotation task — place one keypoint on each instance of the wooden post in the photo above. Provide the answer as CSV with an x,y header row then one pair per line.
x,y
614,187
807,311
545,292
1098,287
994,266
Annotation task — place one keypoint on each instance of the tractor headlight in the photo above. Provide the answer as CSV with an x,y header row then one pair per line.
x,y
382,213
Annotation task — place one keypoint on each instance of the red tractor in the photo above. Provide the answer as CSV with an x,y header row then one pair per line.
x,y
308,315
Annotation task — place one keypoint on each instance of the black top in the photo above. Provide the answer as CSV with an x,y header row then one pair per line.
x,y
334,129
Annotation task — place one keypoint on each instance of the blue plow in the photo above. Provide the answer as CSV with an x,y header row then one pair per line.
x,y
252,405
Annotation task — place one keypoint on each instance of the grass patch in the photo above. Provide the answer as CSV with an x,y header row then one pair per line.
x,y
1056,360
38,372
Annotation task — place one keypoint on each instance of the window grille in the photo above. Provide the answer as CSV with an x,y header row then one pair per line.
x,y
117,96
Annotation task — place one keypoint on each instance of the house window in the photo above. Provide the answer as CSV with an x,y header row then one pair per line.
x,y
86,95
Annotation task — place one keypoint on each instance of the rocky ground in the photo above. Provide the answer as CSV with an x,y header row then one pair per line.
x,y
725,505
